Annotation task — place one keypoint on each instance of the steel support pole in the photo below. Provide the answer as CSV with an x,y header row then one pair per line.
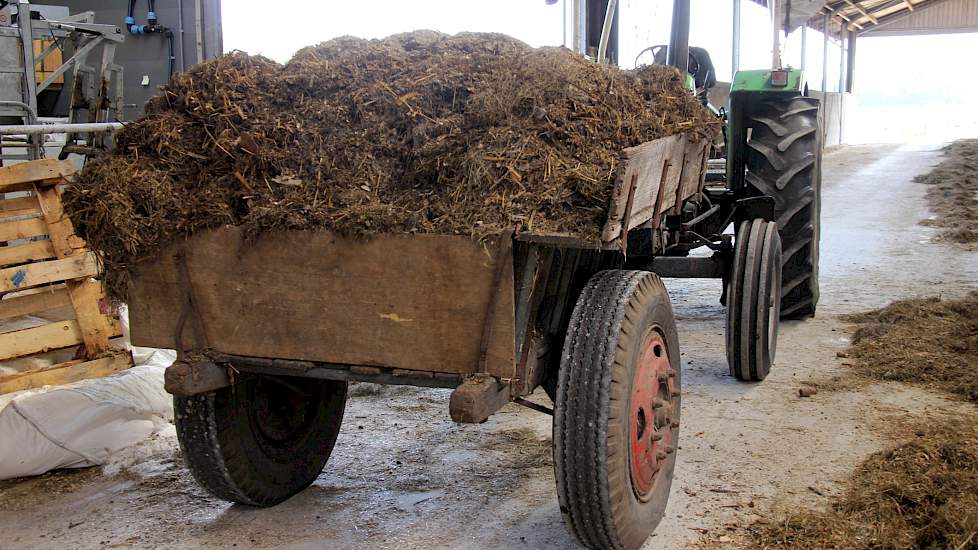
x,y
735,61
851,62
609,19
576,26
580,26
842,62
776,36
25,26
825,53
199,29
563,22
678,55
39,129
804,46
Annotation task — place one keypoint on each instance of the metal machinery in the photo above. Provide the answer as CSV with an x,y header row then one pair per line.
x,y
29,44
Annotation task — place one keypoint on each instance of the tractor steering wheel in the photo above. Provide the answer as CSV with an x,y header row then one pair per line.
x,y
659,56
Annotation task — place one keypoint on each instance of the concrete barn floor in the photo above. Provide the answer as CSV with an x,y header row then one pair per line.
x,y
404,476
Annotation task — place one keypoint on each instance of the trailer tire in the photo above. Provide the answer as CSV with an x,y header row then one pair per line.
x,y
262,439
784,162
752,300
616,419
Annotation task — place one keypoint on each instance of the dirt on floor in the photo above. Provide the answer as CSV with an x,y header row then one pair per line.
x,y
927,341
953,195
419,132
920,493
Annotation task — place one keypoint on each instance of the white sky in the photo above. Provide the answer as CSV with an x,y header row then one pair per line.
x,y
252,26
924,68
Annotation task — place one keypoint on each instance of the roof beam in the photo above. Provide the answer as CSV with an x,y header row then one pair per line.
x,y
849,23
902,14
863,11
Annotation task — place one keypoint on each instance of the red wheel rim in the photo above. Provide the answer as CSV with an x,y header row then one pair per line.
x,y
652,414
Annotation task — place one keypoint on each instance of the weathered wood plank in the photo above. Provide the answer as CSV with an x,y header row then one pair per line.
x,y
28,252
693,173
562,240
22,176
52,271
96,327
85,295
645,162
654,194
668,193
34,303
39,339
59,227
19,206
22,229
414,302
65,373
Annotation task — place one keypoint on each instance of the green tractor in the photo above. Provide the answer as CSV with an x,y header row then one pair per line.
x,y
772,148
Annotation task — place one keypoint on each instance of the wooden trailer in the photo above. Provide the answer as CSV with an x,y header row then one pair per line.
x,y
270,332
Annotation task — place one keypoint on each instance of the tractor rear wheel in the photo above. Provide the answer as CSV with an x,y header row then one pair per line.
x,y
752,300
262,439
784,161
616,420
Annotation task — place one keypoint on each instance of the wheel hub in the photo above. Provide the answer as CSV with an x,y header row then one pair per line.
x,y
653,415
281,410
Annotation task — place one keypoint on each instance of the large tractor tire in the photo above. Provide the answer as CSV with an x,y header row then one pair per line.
x,y
784,161
753,300
616,420
262,439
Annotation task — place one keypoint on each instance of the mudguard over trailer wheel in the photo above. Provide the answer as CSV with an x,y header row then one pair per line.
x,y
262,439
616,421
752,300
784,162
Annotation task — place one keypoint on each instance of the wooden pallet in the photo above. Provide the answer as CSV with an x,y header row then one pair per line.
x,y
45,266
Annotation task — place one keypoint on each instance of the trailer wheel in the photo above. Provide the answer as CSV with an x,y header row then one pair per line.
x,y
616,420
752,300
784,161
262,439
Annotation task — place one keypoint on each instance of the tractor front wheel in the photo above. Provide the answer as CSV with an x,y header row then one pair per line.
x,y
752,300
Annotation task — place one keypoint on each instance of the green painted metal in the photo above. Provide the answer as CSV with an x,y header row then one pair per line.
x,y
760,81
748,88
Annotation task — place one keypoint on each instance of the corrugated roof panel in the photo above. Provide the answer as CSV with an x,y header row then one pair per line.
x,y
940,17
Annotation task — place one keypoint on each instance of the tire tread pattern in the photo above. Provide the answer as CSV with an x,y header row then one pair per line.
x,y
211,427
784,162
600,334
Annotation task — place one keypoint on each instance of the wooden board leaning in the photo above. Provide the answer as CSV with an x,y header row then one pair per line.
x,y
44,266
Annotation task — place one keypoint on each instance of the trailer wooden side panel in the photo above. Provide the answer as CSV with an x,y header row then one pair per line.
x,y
415,302
653,178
